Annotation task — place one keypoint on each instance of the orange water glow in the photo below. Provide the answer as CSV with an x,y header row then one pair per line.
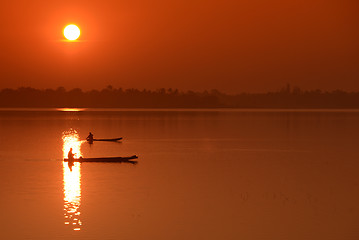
x,y
70,109
72,181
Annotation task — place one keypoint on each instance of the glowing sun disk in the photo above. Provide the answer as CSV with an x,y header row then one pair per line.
x,y
72,32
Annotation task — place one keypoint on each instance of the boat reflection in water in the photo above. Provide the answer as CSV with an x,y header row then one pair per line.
x,y
72,180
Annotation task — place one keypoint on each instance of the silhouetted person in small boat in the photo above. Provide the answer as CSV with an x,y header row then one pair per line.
x,y
70,157
90,137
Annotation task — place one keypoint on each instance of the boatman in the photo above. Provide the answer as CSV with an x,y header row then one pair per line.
x,y
90,137
70,157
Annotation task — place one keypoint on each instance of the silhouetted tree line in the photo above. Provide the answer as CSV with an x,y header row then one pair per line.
x,y
172,98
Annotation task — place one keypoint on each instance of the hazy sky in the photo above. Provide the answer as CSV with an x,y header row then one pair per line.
x,y
234,46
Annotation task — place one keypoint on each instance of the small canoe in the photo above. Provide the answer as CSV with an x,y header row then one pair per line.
x,y
106,159
106,139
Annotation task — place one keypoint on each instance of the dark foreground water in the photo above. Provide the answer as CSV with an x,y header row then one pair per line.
x,y
200,175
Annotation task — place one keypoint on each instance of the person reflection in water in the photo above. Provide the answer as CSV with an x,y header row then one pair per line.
x,y
70,156
90,137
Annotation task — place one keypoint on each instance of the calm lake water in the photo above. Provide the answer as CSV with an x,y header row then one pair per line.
x,y
217,174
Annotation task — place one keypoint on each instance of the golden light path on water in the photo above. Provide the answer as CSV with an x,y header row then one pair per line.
x,y
70,109
72,180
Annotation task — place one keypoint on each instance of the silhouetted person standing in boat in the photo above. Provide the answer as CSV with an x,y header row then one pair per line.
x,y
70,157
90,137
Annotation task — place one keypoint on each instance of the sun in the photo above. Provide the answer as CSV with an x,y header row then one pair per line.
x,y
72,32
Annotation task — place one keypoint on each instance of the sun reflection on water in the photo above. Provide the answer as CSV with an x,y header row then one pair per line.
x,y
72,180
70,109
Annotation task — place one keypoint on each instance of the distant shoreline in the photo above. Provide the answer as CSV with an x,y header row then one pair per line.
x,y
112,98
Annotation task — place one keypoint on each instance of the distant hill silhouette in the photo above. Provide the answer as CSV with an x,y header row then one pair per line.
x,y
172,98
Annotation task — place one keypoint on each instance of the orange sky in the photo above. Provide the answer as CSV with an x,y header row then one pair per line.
x,y
234,46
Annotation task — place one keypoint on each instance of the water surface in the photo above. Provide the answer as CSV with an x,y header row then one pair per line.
x,y
202,174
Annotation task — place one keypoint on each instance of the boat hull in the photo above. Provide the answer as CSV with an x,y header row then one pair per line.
x,y
106,159
107,139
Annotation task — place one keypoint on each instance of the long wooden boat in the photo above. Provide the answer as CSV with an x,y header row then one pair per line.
x,y
105,139
106,159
